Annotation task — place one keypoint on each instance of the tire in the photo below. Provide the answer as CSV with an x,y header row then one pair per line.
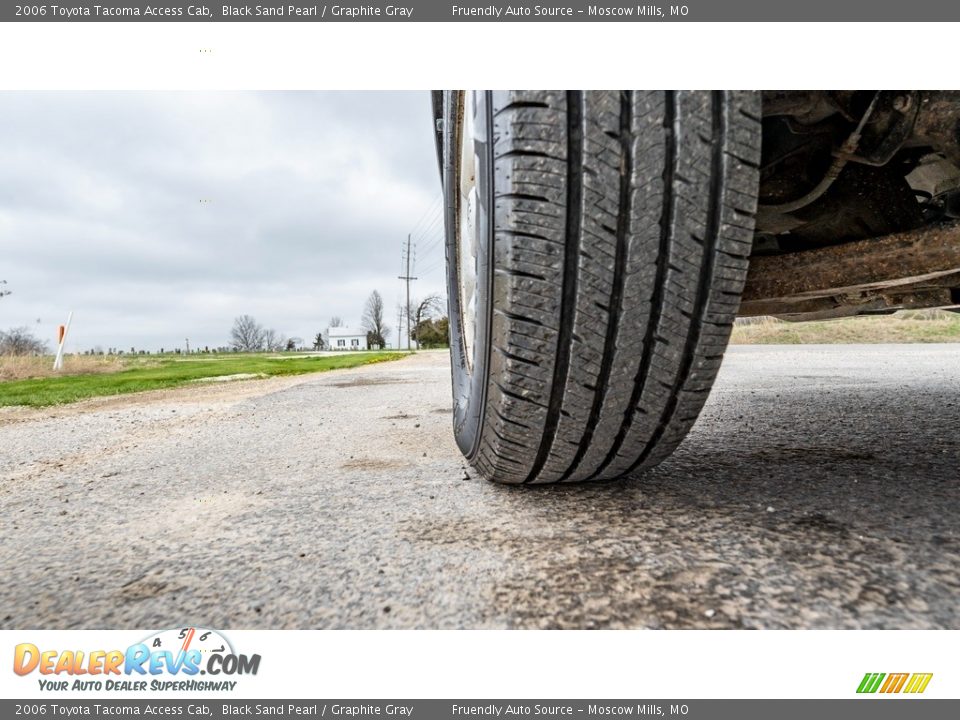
x,y
597,245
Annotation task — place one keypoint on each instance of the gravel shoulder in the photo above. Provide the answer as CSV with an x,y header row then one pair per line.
x,y
818,490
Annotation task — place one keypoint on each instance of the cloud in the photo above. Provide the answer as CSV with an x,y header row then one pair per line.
x,y
161,216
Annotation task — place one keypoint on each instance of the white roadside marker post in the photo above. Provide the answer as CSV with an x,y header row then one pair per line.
x,y
62,339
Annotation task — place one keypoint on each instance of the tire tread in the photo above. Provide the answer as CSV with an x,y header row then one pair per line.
x,y
623,223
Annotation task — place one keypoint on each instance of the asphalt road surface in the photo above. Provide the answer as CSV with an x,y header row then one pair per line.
x,y
819,489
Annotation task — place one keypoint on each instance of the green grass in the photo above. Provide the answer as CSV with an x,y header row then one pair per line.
x,y
159,372
903,327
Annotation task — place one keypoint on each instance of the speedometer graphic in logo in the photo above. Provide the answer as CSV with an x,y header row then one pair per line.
x,y
182,640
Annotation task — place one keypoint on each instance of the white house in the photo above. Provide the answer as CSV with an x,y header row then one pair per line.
x,y
344,338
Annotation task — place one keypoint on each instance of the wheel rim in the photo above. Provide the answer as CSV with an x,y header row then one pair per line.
x,y
467,230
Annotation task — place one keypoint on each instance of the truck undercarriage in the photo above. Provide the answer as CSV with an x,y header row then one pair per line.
x,y
859,205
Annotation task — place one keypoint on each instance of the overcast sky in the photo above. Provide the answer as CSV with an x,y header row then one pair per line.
x,y
309,197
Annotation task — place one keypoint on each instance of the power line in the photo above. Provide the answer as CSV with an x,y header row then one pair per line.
x,y
432,244
427,217
427,227
433,266
427,242
431,209
428,220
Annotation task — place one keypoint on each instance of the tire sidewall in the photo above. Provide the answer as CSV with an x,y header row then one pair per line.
x,y
469,379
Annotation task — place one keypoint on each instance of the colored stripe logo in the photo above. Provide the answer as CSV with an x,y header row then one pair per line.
x,y
913,683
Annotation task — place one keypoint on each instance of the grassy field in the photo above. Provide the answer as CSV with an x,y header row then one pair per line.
x,y
925,326
23,367
116,376
30,381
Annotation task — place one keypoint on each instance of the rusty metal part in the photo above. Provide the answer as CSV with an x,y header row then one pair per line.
x,y
846,152
833,172
864,202
934,176
878,264
865,303
807,107
893,127
938,123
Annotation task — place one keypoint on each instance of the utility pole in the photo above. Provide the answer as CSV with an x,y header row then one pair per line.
x,y
399,322
407,278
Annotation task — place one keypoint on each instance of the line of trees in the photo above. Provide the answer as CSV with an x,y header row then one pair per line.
x,y
429,326
247,335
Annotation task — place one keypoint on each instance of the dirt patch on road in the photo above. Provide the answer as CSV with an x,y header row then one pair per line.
x,y
147,586
362,381
373,464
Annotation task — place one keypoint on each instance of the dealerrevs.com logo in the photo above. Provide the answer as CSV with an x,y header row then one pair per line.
x,y
169,660
889,683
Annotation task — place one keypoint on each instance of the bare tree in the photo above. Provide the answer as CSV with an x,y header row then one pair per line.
x,y
247,335
3,291
269,339
20,341
336,321
274,341
426,308
373,321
